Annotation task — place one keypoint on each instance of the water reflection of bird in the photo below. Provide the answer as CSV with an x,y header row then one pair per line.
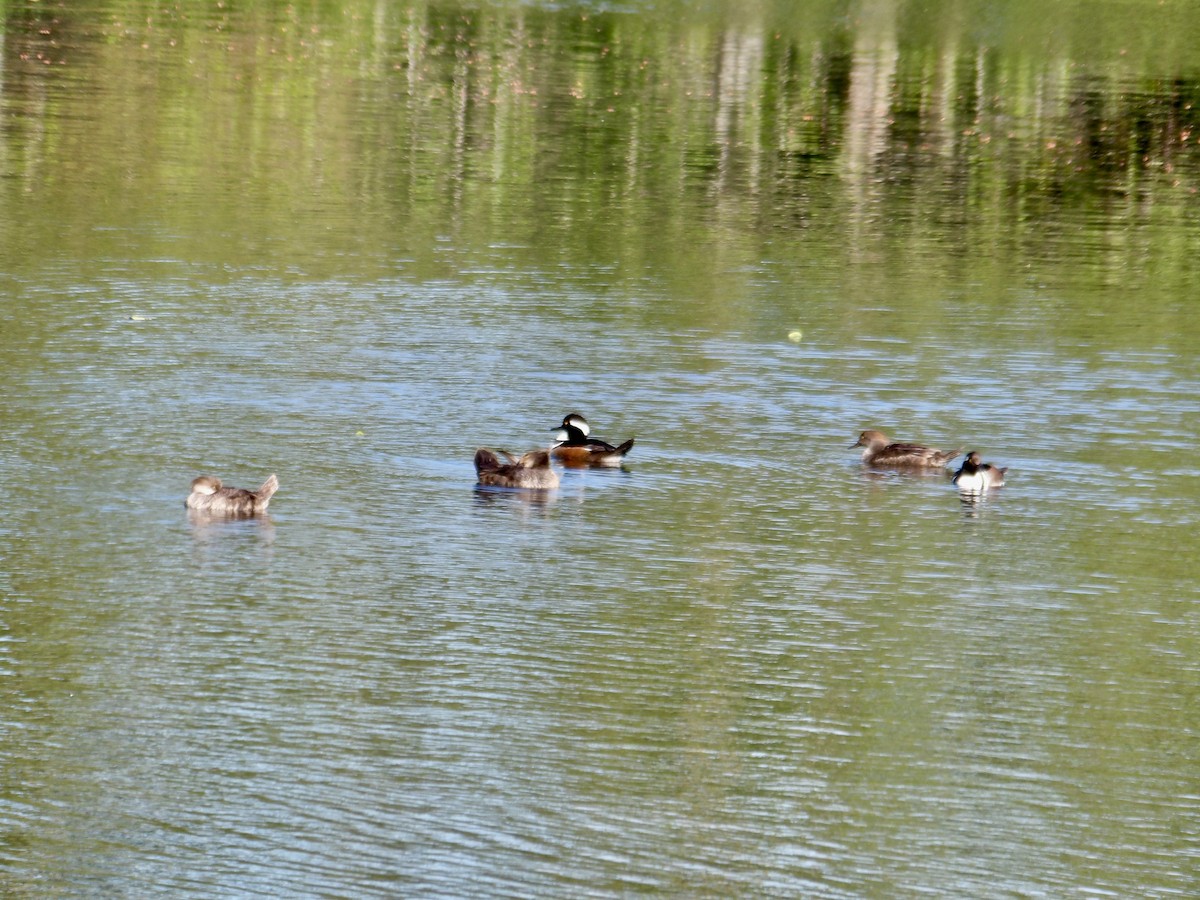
x,y
209,495
210,530
576,447
879,451
975,476
530,470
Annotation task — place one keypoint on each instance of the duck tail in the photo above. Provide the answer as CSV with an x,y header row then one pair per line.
x,y
625,447
268,489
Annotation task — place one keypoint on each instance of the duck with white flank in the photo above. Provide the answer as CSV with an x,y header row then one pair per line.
x,y
975,476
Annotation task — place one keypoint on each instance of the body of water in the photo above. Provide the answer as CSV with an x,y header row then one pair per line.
x,y
351,245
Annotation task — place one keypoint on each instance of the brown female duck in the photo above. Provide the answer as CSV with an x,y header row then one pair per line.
x,y
879,451
531,470
209,495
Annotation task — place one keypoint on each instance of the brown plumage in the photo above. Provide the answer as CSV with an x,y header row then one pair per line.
x,y
879,451
209,495
530,470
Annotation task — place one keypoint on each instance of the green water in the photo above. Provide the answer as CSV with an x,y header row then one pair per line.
x,y
350,243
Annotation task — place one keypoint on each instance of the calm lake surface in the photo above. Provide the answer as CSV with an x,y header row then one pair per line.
x,y
351,243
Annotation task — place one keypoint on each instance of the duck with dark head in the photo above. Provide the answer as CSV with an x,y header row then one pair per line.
x,y
576,447
975,476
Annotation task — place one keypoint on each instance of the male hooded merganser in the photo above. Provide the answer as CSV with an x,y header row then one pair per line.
x,y
575,448
530,470
878,451
209,495
976,476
